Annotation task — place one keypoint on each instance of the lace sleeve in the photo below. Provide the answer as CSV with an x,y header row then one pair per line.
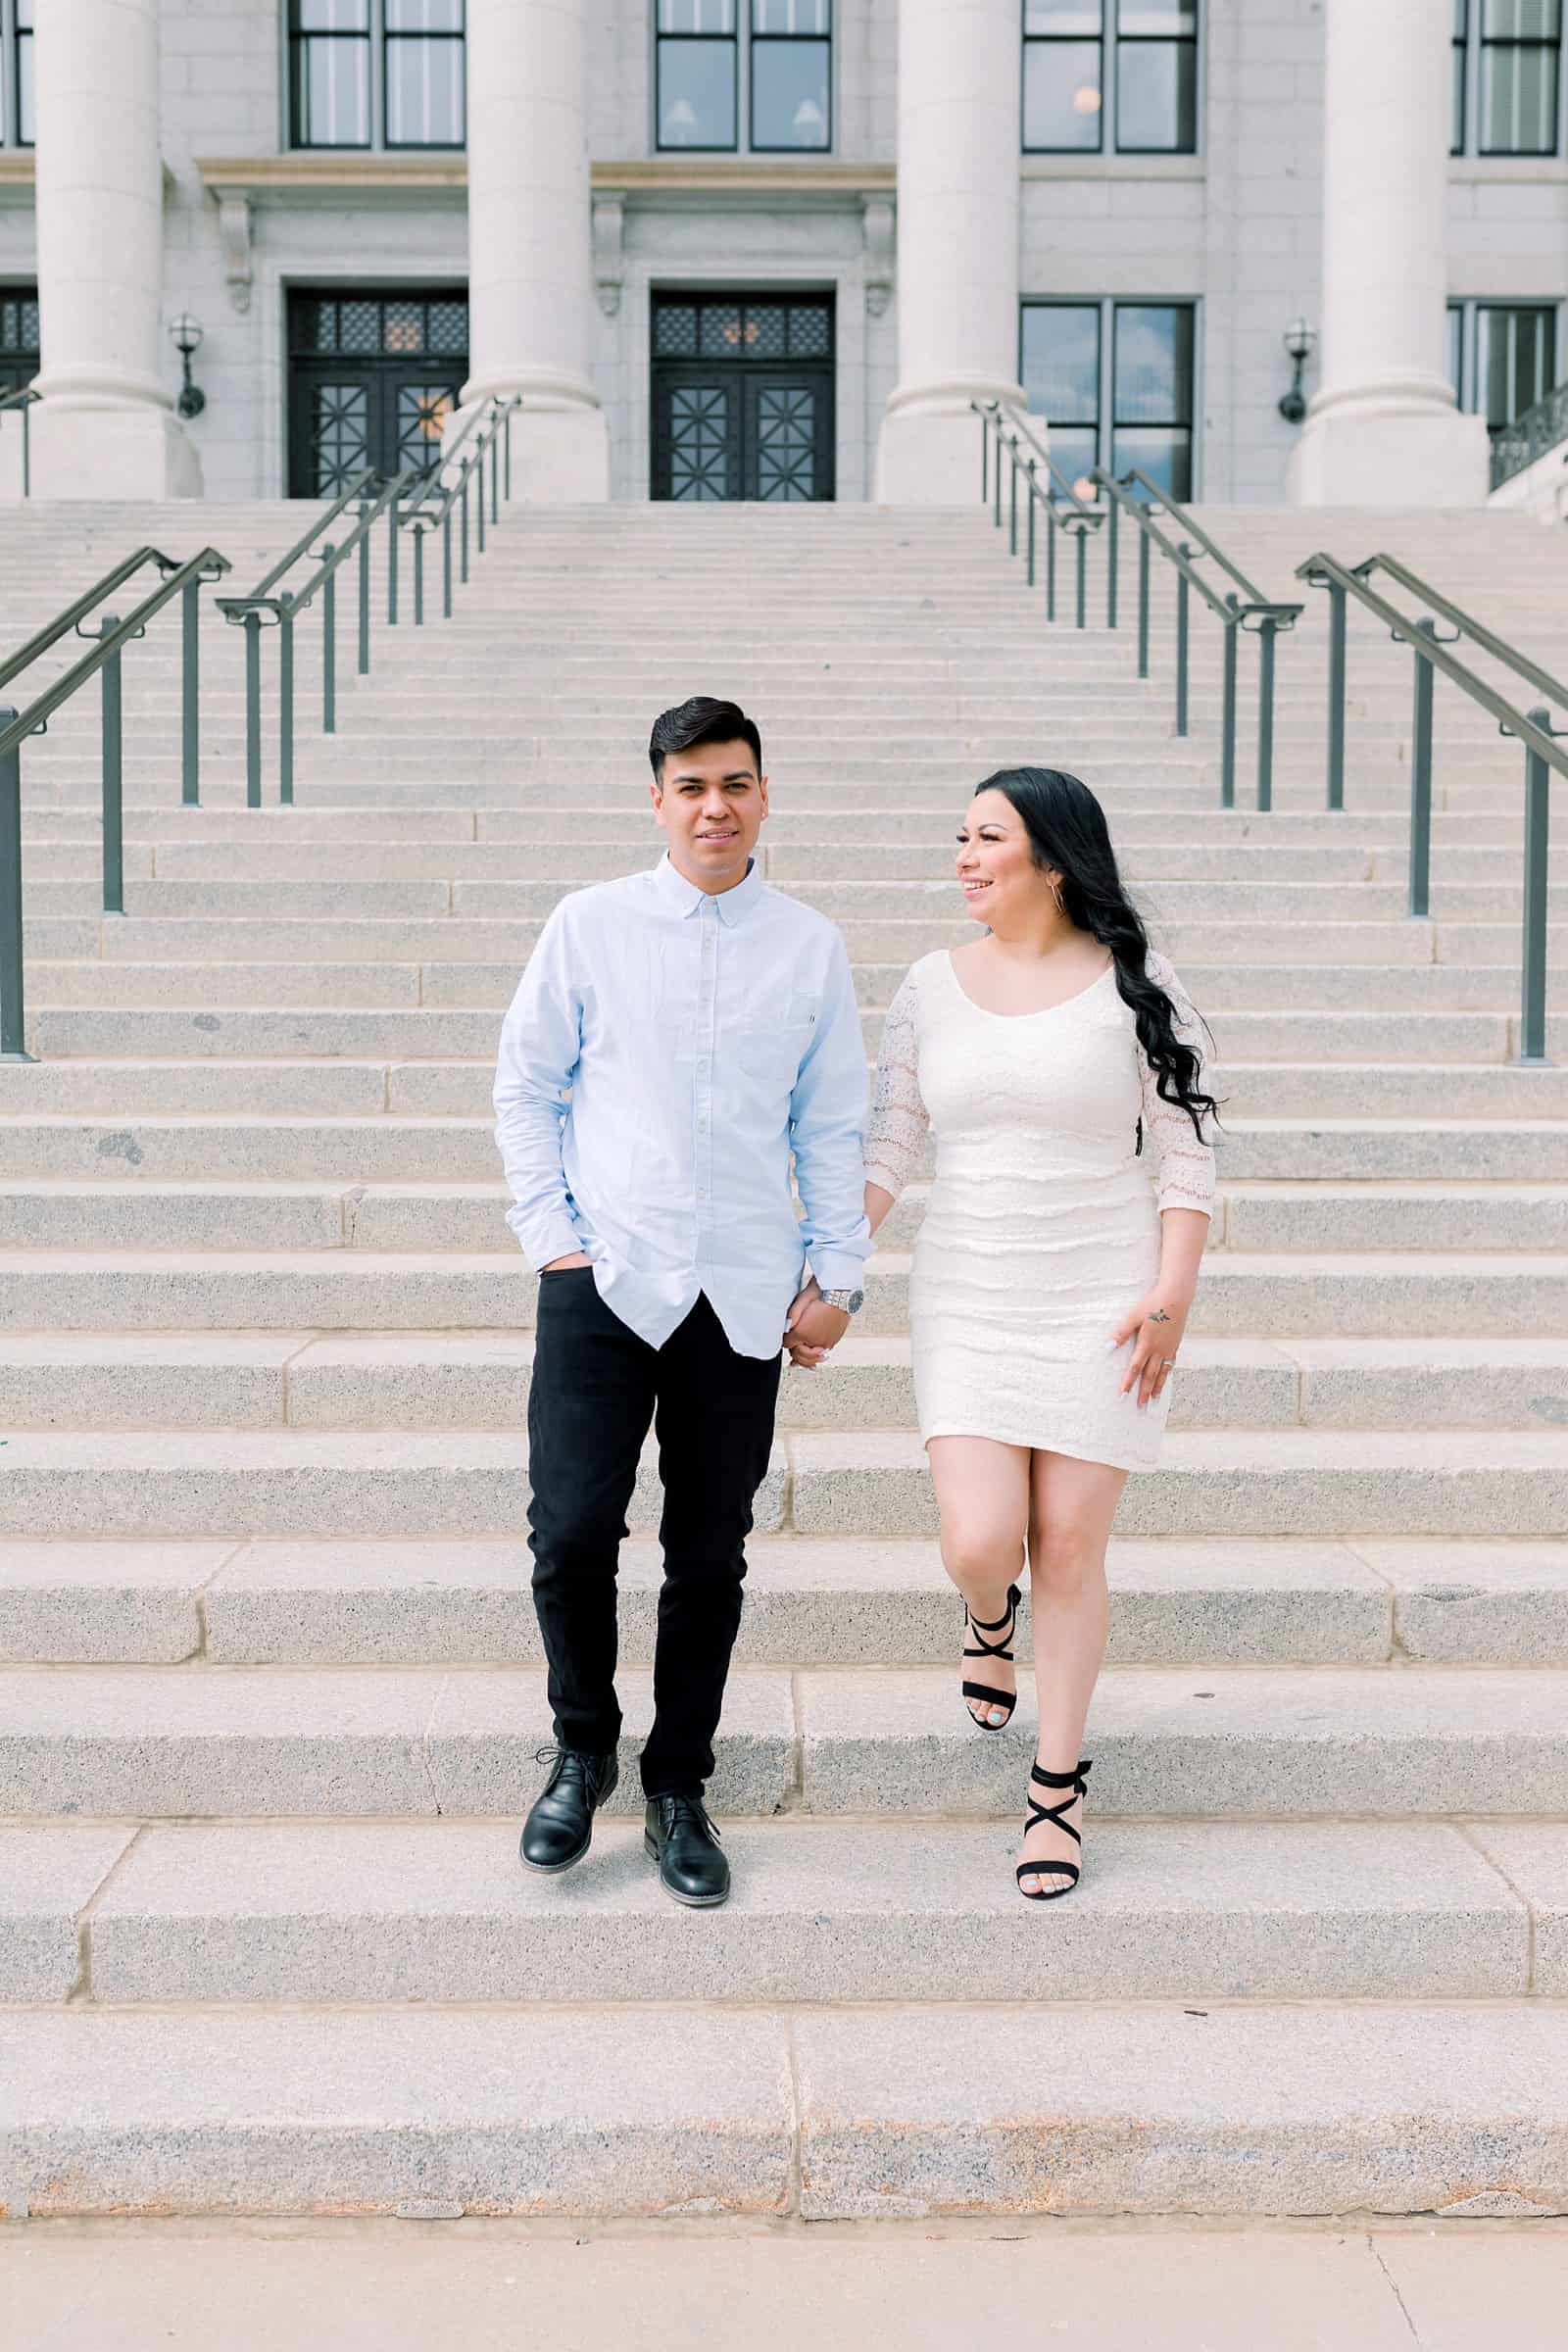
x,y
899,1122
1185,1162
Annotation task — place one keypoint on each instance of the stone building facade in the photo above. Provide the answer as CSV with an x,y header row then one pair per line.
x,y
721,247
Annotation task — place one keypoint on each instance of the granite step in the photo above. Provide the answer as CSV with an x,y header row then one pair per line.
x,y
441,1912
1292,1743
1221,1600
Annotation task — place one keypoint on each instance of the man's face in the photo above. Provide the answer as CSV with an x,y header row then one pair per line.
x,y
711,802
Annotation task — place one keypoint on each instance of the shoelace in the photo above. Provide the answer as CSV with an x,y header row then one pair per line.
x,y
692,1808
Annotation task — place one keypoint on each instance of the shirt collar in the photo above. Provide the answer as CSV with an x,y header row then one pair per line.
x,y
732,907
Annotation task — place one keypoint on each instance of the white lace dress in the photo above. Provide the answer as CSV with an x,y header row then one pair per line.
x,y
1042,1223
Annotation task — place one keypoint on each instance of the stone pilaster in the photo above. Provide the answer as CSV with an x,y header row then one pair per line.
x,y
1382,429
105,426
959,66
531,273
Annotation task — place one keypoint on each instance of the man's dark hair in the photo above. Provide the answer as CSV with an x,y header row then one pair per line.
x,y
701,720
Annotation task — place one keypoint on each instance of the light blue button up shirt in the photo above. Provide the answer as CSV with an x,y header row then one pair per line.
x,y
665,1052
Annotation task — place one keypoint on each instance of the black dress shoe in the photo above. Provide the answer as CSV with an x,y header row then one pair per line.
x,y
680,1837
559,1829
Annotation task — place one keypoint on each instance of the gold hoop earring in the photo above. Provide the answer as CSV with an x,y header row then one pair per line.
x,y
1055,892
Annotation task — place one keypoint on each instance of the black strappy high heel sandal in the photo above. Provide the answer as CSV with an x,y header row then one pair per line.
x,y
1073,1782
1004,1625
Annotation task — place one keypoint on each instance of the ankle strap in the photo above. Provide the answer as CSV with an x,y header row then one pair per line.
x,y
1061,1780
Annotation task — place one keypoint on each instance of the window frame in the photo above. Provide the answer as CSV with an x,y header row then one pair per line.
x,y
745,41
1466,309
13,34
1109,305
1470,50
1111,41
378,41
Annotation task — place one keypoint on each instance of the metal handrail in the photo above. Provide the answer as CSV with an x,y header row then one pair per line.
x,y
492,424
1531,434
366,485
25,399
1477,630
1076,524
113,635
1264,616
1534,729
261,610
65,622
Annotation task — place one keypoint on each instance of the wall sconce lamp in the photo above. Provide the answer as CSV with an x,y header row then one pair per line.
x,y
186,333
1298,341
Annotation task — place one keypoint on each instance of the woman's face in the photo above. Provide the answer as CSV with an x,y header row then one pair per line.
x,y
996,866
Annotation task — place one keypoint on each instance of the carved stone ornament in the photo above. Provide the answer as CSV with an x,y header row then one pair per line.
x,y
610,269
877,232
234,234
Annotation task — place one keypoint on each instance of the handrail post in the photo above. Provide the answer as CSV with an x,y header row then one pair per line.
x,y
1421,777
253,710
366,504
997,481
1030,471
1113,557
479,502
1012,502
445,565
1051,534
1337,619
1533,989
495,474
468,468
12,986
507,439
26,449
1227,754
285,700
328,645
1143,600
1268,629
1082,536
190,695
392,562
985,459
112,778
418,579
1181,594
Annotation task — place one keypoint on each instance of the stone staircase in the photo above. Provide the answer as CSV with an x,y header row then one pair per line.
x,y
272,1690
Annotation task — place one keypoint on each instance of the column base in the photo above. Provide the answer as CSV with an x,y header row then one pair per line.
x,y
929,456
80,452
559,456
1385,457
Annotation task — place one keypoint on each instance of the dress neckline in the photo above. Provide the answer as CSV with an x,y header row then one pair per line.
x,y
1041,1012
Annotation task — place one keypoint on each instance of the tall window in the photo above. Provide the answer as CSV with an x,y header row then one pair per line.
x,y
19,336
377,72
1115,383
16,74
1508,77
1502,358
1110,75
744,73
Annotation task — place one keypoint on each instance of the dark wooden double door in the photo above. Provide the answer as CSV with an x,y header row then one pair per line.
x,y
372,378
743,397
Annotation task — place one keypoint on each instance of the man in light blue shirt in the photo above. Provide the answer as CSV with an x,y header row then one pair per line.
x,y
677,1037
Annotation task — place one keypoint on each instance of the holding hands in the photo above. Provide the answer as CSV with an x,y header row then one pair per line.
x,y
812,1329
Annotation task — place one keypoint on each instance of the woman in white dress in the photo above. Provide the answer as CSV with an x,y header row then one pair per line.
x,y
1056,1060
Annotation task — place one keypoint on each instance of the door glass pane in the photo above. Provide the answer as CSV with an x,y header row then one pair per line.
x,y
340,435
696,93
1153,364
424,93
1164,454
1060,364
1514,361
786,441
675,330
1157,96
810,330
1063,100
423,412
790,94
699,441
1519,101
722,333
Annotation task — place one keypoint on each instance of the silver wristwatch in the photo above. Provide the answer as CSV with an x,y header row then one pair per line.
x,y
847,1302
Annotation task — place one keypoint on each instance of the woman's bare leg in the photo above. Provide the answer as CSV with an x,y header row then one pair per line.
x,y
982,1489
1072,1504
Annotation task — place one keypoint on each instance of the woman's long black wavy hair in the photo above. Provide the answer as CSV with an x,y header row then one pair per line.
x,y
1067,832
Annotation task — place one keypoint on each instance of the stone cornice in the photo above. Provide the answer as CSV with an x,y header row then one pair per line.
x,y
324,176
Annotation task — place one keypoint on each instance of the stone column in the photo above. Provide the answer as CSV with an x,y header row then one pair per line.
x,y
105,426
1382,429
530,259
959,66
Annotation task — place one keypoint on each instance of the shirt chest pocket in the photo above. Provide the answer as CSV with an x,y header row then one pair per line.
x,y
770,1043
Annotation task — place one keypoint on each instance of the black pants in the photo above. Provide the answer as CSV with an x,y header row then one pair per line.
x,y
596,1388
